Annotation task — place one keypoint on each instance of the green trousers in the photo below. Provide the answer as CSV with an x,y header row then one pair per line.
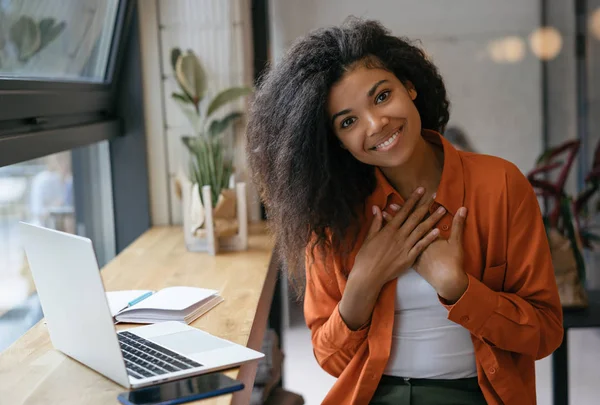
x,y
400,391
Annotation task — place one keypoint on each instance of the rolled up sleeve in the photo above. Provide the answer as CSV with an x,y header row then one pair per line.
x,y
334,344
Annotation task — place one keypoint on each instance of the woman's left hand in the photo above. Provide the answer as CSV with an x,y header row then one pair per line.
x,y
441,263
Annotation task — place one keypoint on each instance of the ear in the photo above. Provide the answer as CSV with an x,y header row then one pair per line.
x,y
410,88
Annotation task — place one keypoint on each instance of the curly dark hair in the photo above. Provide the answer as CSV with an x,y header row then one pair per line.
x,y
313,189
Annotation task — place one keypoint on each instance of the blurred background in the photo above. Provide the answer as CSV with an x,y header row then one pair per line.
x,y
90,138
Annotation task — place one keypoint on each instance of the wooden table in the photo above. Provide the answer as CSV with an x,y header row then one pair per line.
x,y
585,318
33,372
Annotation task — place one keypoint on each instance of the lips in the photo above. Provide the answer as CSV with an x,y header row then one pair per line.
x,y
385,143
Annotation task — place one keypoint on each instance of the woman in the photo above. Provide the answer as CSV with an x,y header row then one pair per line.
x,y
407,301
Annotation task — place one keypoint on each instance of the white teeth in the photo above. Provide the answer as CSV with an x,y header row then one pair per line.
x,y
389,141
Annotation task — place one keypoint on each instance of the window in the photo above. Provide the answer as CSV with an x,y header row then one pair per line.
x,y
39,191
59,86
68,191
56,39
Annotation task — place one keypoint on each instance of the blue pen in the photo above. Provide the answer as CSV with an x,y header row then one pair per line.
x,y
140,298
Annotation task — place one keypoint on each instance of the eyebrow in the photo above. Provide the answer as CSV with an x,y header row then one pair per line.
x,y
343,112
374,88
370,93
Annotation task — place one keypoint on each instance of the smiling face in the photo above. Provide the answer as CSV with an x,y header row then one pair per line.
x,y
373,115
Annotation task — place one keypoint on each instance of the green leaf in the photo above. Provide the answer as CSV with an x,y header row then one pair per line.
x,y
218,126
209,164
49,30
25,34
188,141
175,53
191,76
202,164
227,96
182,97
590,236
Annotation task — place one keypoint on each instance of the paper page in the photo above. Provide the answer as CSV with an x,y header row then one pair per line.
x,y
118,300
174,298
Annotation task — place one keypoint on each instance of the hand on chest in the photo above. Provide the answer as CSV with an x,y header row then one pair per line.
x,y
441,263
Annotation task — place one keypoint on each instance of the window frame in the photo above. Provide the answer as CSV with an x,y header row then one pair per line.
x,y
41,117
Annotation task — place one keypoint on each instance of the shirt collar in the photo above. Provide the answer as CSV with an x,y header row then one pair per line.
x,y
450,193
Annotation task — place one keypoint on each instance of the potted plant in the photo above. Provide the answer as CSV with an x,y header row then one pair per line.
x,y
567,219
210,182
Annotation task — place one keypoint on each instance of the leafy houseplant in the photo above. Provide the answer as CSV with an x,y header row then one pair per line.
x,y
211,162
567,222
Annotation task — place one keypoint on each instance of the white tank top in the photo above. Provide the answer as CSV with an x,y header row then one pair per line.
x,y
425,344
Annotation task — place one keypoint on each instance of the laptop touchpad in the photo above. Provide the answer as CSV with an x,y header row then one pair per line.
x,y
190,342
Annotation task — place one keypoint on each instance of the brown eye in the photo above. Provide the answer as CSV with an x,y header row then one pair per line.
x,y
347,122
381,97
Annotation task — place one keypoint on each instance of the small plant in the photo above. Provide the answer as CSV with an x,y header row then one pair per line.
x,y
24,38
569,225
211,163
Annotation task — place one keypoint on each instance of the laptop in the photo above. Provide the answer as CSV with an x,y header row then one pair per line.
x,y
66,274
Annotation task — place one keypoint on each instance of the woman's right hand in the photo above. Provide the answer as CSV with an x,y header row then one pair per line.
x,y
391,249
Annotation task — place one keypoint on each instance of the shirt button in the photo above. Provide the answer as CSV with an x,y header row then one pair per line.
x,y
464,319
492,370
445,227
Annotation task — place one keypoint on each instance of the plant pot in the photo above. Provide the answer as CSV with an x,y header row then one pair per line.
x,y
570,288
208,229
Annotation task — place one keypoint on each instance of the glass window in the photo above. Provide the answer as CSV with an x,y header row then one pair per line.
x,y
41,192
56,39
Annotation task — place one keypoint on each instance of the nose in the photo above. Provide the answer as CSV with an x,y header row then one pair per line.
x,y
376,123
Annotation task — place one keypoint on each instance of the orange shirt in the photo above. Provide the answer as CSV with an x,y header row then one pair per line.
x,y
511,306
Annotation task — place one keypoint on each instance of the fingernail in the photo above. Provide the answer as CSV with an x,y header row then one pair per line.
x,y
386,216
433,196
462,212
441,210
395,207
374,210
435,231
420,190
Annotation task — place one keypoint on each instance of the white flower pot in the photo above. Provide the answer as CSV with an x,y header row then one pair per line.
x,y
198,215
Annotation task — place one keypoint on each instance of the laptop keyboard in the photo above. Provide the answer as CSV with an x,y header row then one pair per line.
x,y
146,359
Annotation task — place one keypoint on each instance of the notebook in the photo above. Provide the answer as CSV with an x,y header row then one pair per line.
x,y
182,304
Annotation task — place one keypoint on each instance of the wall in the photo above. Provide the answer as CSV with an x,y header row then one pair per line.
x,y
497,104
562,103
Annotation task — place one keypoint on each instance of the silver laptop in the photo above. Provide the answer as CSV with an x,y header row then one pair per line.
x,y
68,282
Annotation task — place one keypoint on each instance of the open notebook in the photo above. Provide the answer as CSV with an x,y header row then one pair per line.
x,y
183,304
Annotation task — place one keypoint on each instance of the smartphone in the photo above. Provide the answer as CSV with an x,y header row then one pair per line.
x,y
180,391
